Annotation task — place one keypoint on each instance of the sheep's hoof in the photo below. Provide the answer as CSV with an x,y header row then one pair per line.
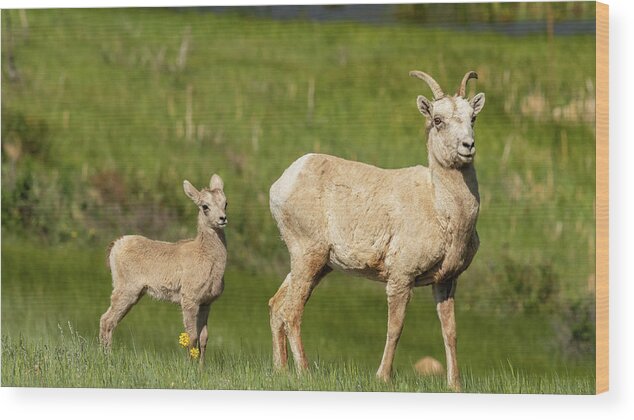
x,y
105,347
455,387
384,376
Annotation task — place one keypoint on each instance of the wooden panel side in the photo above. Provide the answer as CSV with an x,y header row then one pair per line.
x,y
602,198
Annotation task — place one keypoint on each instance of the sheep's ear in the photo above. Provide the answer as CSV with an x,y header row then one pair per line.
x,y
216,182
191,191
477,103
424,106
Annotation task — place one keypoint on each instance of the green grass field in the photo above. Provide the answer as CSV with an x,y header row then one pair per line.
x,y
80,363
49,337
113,108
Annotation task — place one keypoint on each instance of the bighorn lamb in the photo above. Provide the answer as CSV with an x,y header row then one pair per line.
x,y
188,272
404,227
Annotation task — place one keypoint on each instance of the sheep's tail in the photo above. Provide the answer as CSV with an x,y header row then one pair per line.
x,y
108,251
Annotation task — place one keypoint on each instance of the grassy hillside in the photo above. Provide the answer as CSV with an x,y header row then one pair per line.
x,y
105,112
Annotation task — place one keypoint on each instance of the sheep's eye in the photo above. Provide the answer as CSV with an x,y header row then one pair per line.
x,y
205,207
473,119
226,204
437,121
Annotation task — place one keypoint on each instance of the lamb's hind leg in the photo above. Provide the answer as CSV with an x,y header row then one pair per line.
x,y
280,356
444,296
121,301
305,275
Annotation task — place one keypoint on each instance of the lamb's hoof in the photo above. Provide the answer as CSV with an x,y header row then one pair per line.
x,y
105,346
280,367
302,370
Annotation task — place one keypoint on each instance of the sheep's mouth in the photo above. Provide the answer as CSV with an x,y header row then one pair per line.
x,y
467,158
223,224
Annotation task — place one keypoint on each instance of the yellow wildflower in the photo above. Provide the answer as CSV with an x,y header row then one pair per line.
x,y
194,352
183,339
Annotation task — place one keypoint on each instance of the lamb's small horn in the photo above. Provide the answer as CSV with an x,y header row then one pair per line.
x,y
465,79
435,87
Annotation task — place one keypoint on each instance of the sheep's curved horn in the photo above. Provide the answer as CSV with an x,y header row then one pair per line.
x,y
435,87
465,79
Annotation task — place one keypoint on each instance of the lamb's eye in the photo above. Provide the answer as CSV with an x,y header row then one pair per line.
x,y
205,207
226,204
473,119
437,121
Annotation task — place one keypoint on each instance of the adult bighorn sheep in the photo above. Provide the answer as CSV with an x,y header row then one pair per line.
x,y
189,272
404,227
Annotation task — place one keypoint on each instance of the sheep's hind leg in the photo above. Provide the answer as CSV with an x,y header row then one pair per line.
x,y
444,297
305,275
280,355
398,296
201,325
121,302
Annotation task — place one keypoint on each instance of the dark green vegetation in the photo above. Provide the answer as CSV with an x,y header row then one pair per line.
x,y
105,112
495,12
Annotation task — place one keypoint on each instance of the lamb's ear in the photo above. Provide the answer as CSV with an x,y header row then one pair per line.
x,y
191,191
477,103
424,106
216,182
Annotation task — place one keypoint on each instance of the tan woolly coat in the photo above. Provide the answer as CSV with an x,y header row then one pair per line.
x,y
412,223
191,269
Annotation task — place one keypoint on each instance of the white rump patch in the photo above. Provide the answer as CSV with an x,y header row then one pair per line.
x,y
282,189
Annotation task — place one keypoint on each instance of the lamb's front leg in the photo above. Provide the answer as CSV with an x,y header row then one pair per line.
x,y
190,317
444,296
201,326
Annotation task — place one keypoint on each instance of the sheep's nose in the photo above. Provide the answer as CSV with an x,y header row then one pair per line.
x,y
223,218
468,144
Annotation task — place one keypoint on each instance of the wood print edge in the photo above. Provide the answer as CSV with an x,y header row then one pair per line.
x,y
602,198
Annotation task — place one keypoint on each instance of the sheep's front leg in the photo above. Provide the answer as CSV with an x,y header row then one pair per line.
x,y
444,297
190,317
398,296
201,326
